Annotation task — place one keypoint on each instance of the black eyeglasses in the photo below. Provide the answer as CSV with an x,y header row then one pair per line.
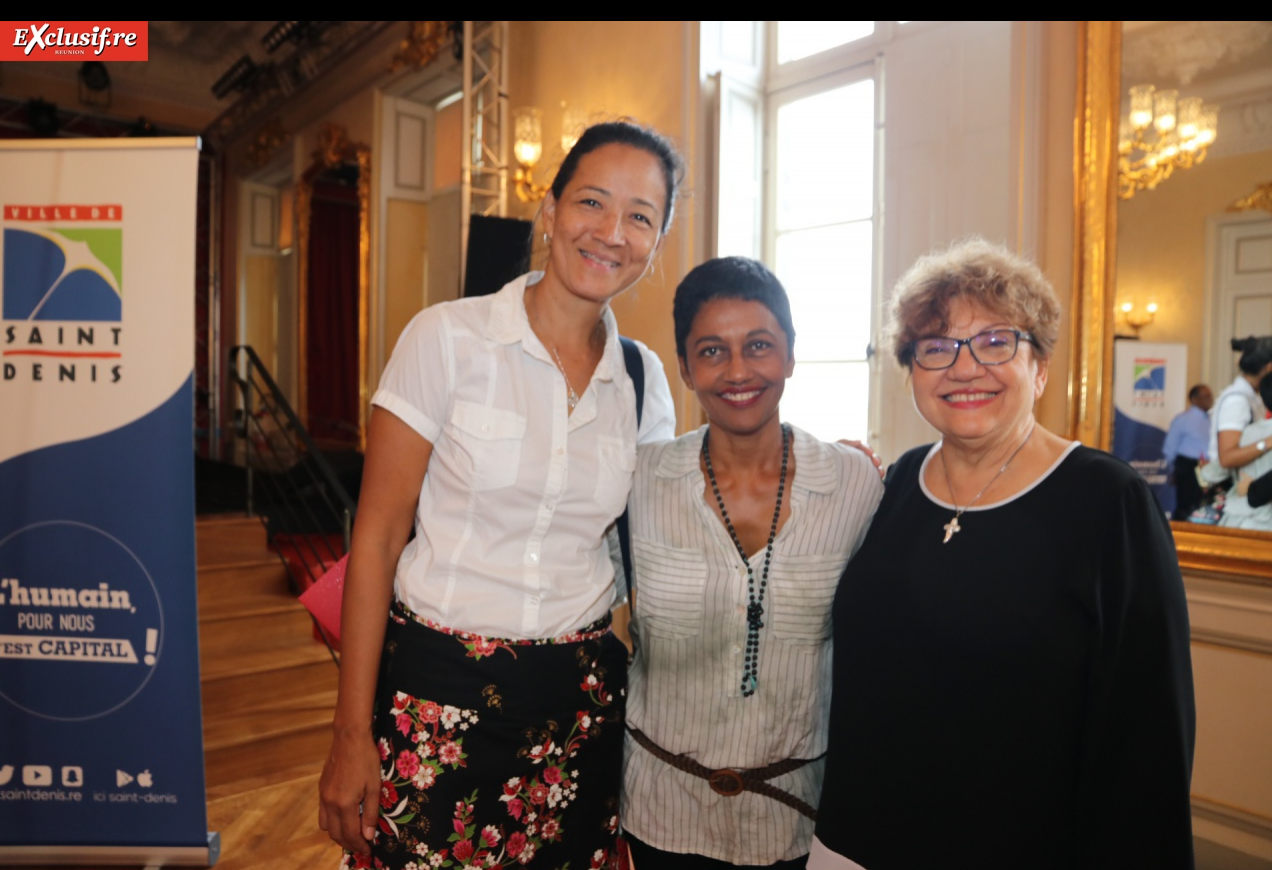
x,y
991,348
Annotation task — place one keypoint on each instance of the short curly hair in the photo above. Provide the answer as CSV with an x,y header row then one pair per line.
x,y
986,275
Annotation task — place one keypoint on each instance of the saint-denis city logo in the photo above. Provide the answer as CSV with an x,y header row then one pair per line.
x,y
1149,385
62,293
63,262
74,40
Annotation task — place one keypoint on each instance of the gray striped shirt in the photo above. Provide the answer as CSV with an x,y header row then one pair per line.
x,y
689,626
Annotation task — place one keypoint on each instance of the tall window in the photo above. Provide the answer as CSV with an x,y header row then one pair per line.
x,y
797,40
798,133
820,240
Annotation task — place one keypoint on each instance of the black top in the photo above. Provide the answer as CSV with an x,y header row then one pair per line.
x,y
1021,696
1260,491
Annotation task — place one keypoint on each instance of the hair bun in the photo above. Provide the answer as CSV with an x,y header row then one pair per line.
x,y
1243,344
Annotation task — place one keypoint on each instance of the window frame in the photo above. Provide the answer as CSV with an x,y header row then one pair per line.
x,y
837,67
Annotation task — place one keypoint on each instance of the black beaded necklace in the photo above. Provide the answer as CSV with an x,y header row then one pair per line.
x,y
755,601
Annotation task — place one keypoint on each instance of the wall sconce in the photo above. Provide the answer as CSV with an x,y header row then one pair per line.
x,y
573,123
1137,320
527,148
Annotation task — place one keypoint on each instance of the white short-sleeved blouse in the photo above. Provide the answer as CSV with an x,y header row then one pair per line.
x,y
519,492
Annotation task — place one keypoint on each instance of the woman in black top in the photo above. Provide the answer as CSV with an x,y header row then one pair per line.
x,y
1012,684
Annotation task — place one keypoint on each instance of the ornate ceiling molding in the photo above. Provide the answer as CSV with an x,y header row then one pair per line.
x,y
269,138
277,83
1245,126
424,40
1169,53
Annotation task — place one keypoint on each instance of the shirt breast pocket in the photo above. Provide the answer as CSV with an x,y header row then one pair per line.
x,y
488,444
670,587
615,465
802,597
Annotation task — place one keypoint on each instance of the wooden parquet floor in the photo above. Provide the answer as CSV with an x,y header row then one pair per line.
x,y
275,827
271,827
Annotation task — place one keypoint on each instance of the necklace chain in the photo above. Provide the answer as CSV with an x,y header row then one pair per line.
x,y
755,600
952,527
571,397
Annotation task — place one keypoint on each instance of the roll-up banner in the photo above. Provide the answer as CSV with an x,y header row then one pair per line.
x,y
1149,389
101,746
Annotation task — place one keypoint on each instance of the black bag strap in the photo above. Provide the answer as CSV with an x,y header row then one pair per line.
x,y
636,371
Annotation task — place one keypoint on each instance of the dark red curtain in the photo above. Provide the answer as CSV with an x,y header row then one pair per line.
x,y
332,330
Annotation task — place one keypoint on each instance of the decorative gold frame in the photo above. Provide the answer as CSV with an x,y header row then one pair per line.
x,y
335,149
1260,197
1228,552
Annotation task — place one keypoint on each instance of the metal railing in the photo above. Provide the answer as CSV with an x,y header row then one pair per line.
x,y
290,482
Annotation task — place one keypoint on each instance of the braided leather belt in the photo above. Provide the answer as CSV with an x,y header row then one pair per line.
x,y
729,782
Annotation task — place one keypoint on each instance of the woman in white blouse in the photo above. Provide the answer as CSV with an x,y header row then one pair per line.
x,y
1236,408
740,531
482,725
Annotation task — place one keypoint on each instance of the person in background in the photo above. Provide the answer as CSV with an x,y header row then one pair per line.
x,y
740,531
1236,408
1012,679
1185,444
480,707
1248,505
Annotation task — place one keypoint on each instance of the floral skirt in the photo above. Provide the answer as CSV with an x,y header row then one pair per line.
x,y
498,753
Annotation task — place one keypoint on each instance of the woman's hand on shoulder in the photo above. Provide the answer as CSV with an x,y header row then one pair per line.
x,y
349,791
865,448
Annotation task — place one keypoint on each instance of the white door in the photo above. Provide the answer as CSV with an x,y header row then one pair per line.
x,y
1241,300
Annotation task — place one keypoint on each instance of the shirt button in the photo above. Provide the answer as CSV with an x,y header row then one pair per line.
x,y
737,650
534,557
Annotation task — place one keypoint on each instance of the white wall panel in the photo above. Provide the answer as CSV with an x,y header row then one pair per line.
x,y
947,152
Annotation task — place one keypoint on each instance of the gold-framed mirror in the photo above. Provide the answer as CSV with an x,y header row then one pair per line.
x,y
333,208
1202,549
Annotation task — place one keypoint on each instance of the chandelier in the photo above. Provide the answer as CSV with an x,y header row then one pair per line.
x,y
1161,133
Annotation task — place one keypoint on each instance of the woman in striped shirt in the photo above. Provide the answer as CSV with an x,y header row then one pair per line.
x,y
740,531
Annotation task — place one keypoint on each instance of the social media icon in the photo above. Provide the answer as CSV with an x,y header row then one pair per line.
x,y
122,779
145,780
72,777
6,774
37,775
